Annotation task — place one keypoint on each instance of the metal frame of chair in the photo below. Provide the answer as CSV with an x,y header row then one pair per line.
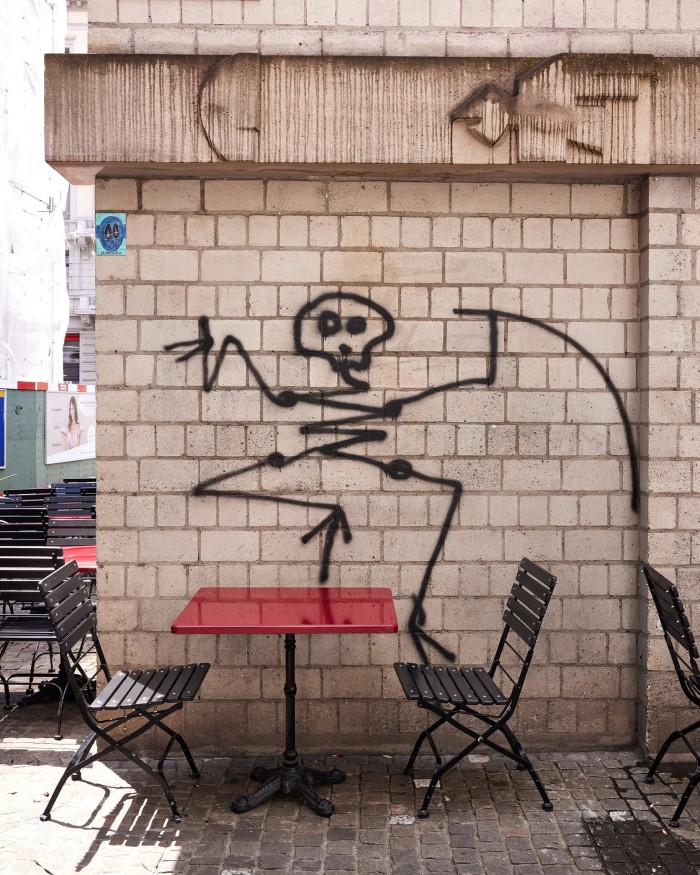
x,y
458,694
684,656
147,696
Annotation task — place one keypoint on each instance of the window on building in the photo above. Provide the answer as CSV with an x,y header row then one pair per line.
x,y
71,358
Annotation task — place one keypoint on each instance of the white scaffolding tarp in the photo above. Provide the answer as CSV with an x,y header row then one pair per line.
x,y
33,295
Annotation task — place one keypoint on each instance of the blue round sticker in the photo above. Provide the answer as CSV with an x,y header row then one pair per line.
x,y
110,232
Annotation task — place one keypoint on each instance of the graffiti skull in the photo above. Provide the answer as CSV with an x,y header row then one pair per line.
x,y
342,328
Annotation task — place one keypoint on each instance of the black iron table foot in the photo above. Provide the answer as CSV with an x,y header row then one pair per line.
x,y
46,691
291,778
296,781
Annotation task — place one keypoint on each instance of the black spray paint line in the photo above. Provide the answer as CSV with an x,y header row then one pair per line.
x,y
627,425
329,323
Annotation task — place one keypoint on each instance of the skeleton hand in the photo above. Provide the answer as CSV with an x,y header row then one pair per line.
x,y
202,344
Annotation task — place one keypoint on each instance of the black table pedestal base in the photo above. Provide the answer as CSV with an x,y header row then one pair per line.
x,y
298,781
291,778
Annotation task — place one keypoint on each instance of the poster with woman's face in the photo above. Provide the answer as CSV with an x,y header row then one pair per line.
x,y
70,426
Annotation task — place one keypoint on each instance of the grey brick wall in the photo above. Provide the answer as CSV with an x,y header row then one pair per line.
x,y
541,453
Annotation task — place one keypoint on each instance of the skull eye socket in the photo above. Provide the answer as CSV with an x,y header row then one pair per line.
x,y
328,323
357,325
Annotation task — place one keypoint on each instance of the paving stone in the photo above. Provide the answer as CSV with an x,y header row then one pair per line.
x,y
485,820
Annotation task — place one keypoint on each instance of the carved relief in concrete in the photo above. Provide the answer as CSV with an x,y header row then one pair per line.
x,y
569,109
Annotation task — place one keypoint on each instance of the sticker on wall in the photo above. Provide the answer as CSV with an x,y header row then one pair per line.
x,y
110,233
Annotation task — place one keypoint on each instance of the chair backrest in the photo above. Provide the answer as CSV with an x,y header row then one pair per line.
x,y
67,532
677,632
523,616
72,616
70,506
19,589
23,539
22,526
39,556
21,569
19,514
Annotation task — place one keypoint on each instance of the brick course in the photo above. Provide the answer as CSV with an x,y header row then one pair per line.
x,y
535,28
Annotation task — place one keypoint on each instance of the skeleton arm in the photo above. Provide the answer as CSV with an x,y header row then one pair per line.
x,y
204,343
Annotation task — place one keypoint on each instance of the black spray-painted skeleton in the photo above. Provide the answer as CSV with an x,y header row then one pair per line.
x,y
334,326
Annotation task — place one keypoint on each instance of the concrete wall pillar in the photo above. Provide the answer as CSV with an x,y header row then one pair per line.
x,y
669,367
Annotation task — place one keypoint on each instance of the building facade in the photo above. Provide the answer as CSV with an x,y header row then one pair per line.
x,y
33,301
79,346
452,251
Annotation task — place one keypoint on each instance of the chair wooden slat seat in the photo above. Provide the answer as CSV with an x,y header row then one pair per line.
x,y
462,697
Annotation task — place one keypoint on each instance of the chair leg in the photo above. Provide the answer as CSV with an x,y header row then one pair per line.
x,y
59,725
674,736
70,770
441,770
174,736
194,771
692,783
423,810
176,816
161,761
5,683
426,733
32,668
524,763
75,767
82,753
79,761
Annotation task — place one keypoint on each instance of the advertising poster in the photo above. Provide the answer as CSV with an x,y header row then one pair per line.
x,y
3,430
70,426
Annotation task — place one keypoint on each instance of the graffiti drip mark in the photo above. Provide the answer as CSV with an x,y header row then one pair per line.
x,y
343,329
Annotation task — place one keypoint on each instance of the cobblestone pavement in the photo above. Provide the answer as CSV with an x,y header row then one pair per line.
x,y
487,819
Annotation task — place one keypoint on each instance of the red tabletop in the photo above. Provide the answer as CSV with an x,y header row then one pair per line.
x,y
85,556
287,610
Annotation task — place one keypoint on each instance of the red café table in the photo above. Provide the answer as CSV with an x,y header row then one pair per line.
x,y
85,556
288,611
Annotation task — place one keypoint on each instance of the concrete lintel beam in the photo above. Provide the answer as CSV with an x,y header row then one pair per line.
x,y
573,115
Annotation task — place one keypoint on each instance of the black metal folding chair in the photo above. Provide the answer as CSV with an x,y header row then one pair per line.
x,y
684,656
146,696
476,694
